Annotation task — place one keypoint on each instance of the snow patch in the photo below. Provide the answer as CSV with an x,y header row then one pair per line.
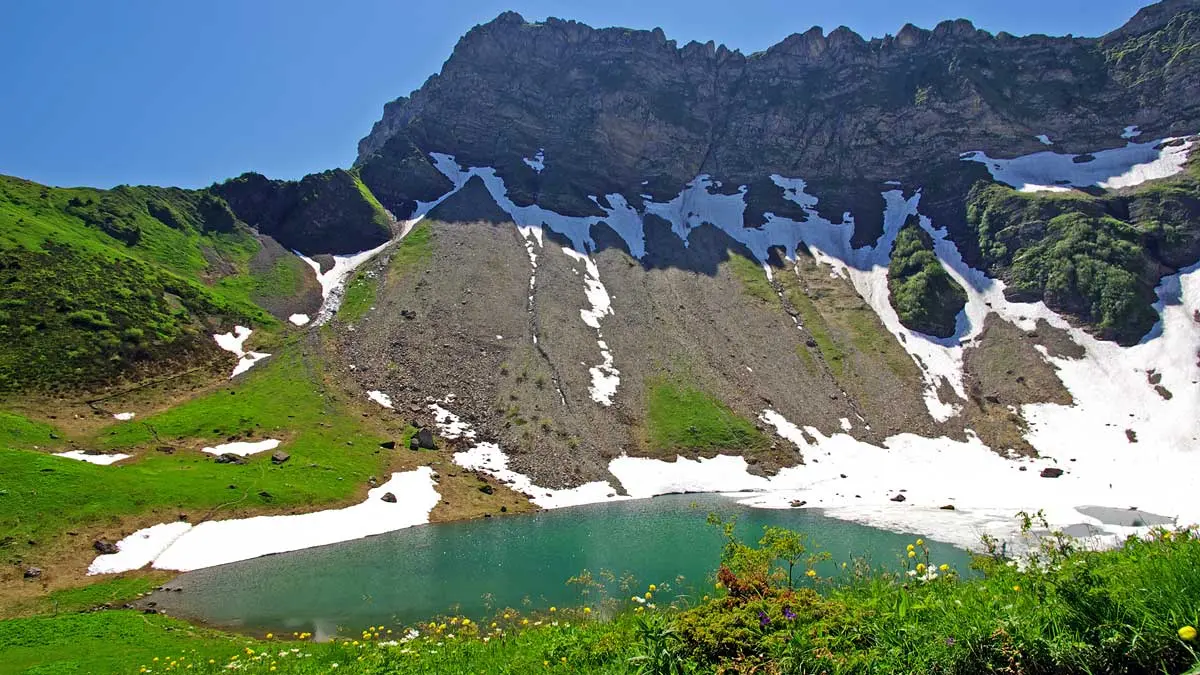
x,y
1117,168
380,398
233,342
102,460
490,459
537,162
449,425
124,416
299,319
242,448
1131,131
605,377
139,549
219,542
1044,139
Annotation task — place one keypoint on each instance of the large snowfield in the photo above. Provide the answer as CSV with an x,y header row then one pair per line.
x,y
1114,397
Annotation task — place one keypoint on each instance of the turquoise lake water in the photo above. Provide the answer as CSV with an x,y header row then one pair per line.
x,y
519,561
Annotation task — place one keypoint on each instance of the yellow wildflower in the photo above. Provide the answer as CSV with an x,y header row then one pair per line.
x,y
524,622
910,548
944,567
653,587
553,609
649,595
1187,633
920,568
912,554
811,573
586,610
920,542
270,636
1017,588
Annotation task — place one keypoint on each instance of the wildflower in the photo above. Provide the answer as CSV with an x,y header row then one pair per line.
x,y
1187,633
949,642
920,542
649,595
944,567
586,610
652,606
467,622
564,659
912,554
270,636
920,568
1017,588
719,585
553,609
493,624
705,598
524,622
763,619
653,587
910,548
789,614
811,573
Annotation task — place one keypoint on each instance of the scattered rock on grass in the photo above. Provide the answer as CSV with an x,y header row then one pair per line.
x,y
388,445
104,547
230,458
425,439
33,573
279,457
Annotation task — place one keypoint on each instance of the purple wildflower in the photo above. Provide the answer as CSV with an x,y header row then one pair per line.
x,y
789,614
763,619
949,642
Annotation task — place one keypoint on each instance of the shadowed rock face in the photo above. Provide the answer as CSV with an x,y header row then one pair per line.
x,y
612,108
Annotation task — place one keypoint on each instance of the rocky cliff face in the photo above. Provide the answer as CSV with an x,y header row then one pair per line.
x,y
568,115
611,108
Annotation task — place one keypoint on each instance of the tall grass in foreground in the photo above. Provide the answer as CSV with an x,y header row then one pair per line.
x,y
1064,609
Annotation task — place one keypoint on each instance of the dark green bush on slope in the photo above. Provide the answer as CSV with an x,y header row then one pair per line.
x,y
1076,254
926,298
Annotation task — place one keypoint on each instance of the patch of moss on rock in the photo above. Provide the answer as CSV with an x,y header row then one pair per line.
x,y
927,299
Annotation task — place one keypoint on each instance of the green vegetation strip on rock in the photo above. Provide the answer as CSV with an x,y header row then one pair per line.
x,y
681,417
926,298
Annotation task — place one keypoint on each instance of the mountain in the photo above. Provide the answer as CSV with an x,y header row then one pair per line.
x,y
584,244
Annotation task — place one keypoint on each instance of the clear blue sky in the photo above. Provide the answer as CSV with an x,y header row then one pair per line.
x,y
175,92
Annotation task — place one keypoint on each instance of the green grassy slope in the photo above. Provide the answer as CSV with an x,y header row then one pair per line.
x,y
332,456
98,285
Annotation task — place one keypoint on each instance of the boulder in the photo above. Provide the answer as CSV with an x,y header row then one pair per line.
x,y
104,547
1051,472
372,481
414,443
388,445
899,498
947,507
389,498
33,573
487,489
425,439
230,458
279,457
